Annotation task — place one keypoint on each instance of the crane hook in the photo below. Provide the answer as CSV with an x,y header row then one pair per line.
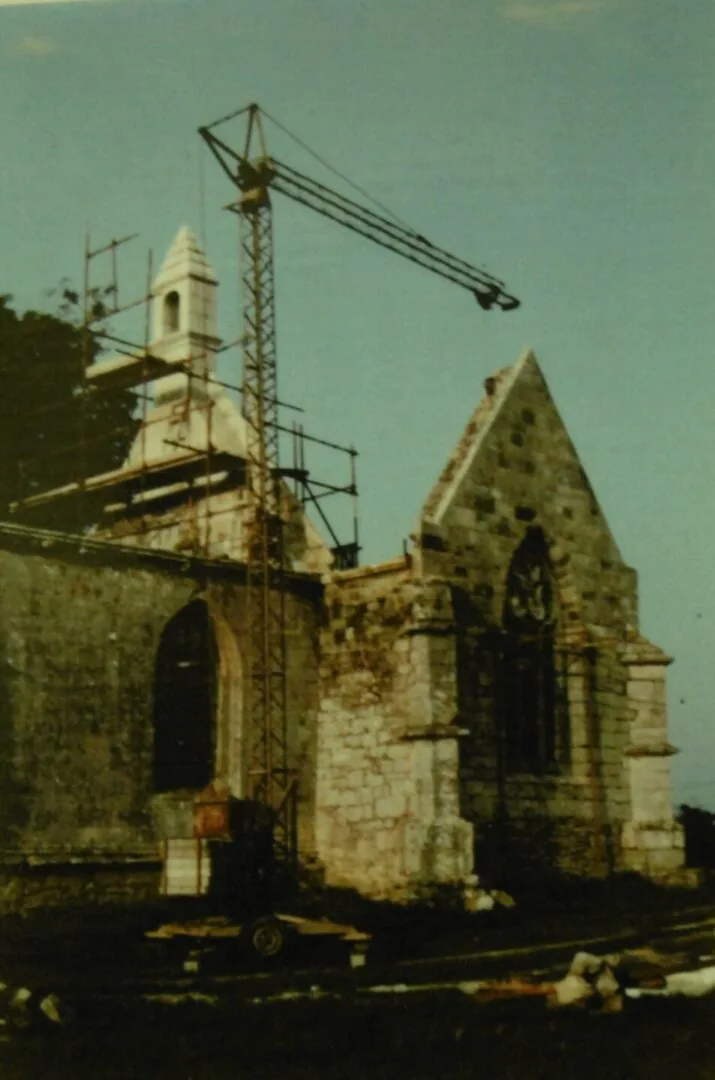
x,y
488,298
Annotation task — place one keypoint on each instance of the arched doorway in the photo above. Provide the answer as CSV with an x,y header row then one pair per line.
x,y
185,696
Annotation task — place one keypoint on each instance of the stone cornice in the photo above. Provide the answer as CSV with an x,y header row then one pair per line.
x,y
662,749
639,651
393,566
87,551
432,733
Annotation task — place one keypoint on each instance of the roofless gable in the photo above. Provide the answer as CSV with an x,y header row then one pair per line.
x,y
515,468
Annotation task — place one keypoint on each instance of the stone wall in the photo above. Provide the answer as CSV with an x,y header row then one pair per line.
x,y
653,841
26,888
213,524
568,817
387,800
80,625
412,769
396,718
516,469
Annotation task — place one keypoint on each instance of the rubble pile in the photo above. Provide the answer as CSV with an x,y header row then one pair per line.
x,y
22,1009
591,980
603,983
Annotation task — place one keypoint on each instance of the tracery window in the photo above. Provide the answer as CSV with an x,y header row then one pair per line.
x,y
534,691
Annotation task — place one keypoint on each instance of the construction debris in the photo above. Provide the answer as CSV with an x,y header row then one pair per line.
x,y
600,984
477,899
22,1008
603,982
691,984
591,980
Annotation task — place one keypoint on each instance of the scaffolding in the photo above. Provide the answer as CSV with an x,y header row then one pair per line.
x,y
142,496
182,498
142,492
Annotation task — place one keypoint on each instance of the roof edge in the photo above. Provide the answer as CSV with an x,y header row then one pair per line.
x,y
469,453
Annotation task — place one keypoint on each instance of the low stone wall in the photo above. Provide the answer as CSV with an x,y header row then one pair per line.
x,y
25,889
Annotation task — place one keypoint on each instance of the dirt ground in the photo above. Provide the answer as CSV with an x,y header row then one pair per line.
x,y
119,1034
446,1036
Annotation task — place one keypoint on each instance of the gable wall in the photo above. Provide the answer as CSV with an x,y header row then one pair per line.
x,y
526,473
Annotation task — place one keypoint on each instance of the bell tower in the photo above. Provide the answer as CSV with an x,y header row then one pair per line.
x,y
184,319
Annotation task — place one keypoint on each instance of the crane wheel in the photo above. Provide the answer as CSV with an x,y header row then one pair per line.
x,y
266,937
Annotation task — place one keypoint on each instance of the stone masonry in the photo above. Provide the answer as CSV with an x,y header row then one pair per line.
x,y
516,470
80,625
388,816
413,790
416,768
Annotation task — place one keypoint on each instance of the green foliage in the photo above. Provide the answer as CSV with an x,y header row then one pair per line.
x,y
52,429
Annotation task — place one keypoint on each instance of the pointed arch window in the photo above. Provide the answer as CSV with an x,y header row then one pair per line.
x,y
172,312
535,704
185,693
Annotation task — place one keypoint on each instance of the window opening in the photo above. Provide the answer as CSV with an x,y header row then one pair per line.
x,y
172,306
534,677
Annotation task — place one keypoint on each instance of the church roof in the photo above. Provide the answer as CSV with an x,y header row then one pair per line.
x,y
185,258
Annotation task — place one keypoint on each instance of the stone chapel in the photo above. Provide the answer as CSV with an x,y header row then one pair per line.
x,y
485,704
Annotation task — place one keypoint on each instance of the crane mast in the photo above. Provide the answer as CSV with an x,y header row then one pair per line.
x,y
270,779
268,776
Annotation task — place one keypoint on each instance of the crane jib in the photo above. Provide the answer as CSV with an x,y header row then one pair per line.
x,y
255,176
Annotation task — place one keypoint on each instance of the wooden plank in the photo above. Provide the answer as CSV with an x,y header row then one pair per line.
x,y
172,470
125,372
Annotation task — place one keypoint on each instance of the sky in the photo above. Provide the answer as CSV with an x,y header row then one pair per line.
x,y
566,145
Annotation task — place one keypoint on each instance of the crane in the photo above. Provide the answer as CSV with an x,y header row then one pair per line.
x,y
256,174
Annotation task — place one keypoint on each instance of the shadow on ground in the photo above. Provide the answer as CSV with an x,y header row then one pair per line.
x,y
449,1037
105,945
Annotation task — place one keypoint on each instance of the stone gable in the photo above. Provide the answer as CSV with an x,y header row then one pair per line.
x,y
413,767
515,473
516,468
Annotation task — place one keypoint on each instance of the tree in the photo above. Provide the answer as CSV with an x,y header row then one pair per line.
x,y
52,429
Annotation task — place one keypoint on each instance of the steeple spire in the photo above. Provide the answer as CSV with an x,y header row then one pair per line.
x,y
184,317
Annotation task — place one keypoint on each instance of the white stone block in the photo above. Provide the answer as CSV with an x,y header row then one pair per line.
x,y
384,842
389,806
187,868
